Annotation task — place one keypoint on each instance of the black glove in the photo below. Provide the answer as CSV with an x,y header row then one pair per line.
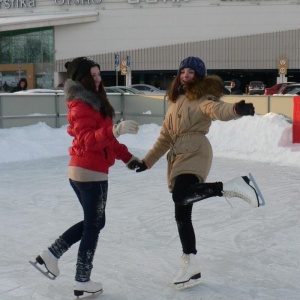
x,y
138,166
244,109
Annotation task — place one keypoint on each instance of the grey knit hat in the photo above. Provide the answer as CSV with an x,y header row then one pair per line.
x,y
194,63
79,67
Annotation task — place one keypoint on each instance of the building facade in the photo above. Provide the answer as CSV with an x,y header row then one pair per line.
x,y
138,41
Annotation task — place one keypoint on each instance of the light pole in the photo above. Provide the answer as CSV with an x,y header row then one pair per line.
x,y
117,66
20,67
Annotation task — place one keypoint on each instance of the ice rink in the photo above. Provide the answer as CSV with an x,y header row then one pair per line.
x,y
243,252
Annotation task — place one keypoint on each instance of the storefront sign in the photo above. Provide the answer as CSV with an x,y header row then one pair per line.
x,y
33,3
155,1
76,2
82,2
248,0
17,3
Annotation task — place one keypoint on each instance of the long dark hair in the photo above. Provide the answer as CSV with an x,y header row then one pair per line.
x,y
106,108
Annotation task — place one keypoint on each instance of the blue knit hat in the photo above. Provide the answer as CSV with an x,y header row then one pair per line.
x,y
194,63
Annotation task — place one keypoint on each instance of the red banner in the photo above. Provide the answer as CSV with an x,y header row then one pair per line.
x,y
296,120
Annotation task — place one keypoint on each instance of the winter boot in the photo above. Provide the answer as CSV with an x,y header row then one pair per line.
x,y
50,261
190,271
87,287
240,187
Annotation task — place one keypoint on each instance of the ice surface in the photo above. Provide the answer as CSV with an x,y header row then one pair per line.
x,y
244,253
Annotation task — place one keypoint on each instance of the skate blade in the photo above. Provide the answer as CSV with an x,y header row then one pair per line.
x,y
189,284
45,273
259,193
88,295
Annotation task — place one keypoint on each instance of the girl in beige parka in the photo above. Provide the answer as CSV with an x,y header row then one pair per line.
x,y
194,102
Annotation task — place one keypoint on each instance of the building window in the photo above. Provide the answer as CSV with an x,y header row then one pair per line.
x,y
28,46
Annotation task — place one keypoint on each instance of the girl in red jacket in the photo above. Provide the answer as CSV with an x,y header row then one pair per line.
x,y
93,151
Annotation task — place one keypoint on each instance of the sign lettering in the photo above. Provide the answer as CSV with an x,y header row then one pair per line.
x,y
32,3
248,0
17,3
155,1
76,2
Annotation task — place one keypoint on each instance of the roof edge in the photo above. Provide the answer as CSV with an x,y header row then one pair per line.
x,y
27,22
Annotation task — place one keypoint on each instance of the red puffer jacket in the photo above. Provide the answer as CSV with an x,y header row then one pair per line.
x,y
94,146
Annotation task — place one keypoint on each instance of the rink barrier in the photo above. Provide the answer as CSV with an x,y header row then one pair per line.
x,y
28,109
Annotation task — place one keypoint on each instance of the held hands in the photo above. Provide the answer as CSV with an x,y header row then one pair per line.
x,y
136,164
128,126
244,109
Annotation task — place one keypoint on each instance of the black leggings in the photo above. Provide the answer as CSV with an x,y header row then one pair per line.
x,y
183,213
92,197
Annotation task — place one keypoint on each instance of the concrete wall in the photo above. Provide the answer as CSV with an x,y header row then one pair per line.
x,y
23,110
123,26
134,24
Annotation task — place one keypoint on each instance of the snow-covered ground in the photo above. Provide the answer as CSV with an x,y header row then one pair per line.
x,y
244,253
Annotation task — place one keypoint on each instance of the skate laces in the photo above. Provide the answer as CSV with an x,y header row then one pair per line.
x,y
186,263
235,192
231,194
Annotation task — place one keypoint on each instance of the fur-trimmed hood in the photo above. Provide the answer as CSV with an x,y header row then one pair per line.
x,y
208,86
74,90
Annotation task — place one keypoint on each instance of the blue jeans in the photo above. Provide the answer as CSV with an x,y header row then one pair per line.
x,y
92,197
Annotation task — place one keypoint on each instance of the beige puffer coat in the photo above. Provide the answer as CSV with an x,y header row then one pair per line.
x,y
184,128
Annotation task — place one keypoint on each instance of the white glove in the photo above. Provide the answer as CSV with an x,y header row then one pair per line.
x,y
128,126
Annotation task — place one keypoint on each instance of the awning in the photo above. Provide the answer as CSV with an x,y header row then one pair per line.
x,y
37,21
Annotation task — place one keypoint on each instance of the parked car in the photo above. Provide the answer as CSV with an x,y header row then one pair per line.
x,y
290,89
113,89
295,92
127,89
148,89
275,89
256,88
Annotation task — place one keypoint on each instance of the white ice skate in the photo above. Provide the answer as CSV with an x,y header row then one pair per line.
x,y
240,187
190,273
87,287
50,262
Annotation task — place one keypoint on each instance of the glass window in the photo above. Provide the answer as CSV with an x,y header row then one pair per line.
x,y
5,49
34,46
28,46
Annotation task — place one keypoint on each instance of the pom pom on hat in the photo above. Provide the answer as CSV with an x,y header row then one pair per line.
x,y
194,63
79,67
